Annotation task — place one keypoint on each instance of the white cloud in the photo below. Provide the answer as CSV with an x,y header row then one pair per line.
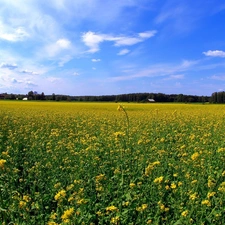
x,y
96,60
147,34
92,40
121,41
215,53
29,72
123,52
57,47
12,34
8,66
63,43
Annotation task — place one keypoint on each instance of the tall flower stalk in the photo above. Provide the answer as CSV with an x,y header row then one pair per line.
x,y
121,108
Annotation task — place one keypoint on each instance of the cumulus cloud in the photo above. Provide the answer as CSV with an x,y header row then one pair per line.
x,y
93,40
12,34
123,52
8,66
215,53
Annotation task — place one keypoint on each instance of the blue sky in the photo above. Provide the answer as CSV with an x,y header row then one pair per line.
x,y
103,47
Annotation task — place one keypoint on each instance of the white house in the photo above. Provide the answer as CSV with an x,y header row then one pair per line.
x,y
151,100
25,99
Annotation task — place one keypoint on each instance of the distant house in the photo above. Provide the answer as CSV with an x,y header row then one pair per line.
x,y
151,100
25,99
2,96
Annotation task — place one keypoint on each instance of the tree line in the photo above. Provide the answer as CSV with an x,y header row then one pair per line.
x,y
216,97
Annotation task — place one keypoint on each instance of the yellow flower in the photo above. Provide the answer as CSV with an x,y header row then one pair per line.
x,y
173,185
60,195
69,187
222,187
132,185
167,187
70,199
57,185
193,196
26,198
52,223
142,207
194,181
22,204
211,182
53,216
99,213
162,207
2,163
150,167
158,180
116,171
211,194
81,201
126,203
221,150
119,134
67,214
195,156
184,213
111,208
100,177
206,202
115,220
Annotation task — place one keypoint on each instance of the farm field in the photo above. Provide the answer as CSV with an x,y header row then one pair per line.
x,y
105,163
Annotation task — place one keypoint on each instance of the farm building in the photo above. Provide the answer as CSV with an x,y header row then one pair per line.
x,y
151,100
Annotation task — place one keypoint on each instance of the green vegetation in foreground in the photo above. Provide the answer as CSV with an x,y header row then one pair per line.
x,y
88,163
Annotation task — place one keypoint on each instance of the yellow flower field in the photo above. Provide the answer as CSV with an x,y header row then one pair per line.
x,y
105,163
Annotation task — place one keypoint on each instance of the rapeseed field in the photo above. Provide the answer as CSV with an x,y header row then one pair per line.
x,y
105,163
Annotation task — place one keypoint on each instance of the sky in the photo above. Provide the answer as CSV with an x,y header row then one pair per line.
x,y
107,47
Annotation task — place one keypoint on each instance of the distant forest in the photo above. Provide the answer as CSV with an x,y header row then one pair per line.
x,y
216,97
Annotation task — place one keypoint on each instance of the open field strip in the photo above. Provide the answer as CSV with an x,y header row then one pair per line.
x,y
89,163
